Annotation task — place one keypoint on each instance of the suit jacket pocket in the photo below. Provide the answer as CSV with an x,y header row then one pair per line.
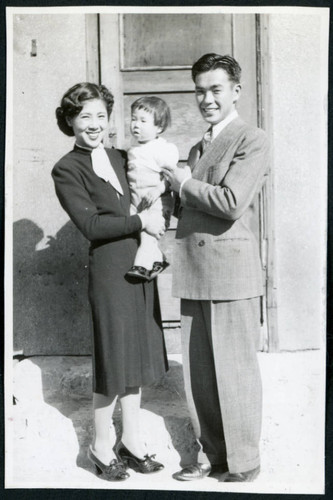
x,y
229,238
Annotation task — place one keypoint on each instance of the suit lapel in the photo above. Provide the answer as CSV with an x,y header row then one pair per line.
x,y
194,155
218,148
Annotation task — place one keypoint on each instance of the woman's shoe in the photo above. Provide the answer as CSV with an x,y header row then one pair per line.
x,y
146,465
115,471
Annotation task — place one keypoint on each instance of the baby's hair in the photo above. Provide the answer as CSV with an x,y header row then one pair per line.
x,y
73,101
157,107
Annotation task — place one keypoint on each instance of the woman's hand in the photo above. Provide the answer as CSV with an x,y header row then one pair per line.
x,y
153,223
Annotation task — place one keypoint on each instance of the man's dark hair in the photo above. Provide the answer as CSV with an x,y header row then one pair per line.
x,y
209,62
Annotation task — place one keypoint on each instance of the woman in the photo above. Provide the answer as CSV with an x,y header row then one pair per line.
x,y
128,343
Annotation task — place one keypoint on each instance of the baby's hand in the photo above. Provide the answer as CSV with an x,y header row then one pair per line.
x,y
150,197
170,166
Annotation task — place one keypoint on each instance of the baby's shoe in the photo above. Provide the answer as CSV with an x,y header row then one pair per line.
x,y
139,272
158,267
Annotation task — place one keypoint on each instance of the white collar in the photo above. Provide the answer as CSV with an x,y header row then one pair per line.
x,y
216,129
102,167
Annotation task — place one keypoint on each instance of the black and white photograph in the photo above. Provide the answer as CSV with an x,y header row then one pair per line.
x,y
165,248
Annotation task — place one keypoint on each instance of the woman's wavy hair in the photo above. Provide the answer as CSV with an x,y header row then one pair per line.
x,y
73,101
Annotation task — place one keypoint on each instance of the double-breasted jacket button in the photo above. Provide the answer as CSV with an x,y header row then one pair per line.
x,y
201,243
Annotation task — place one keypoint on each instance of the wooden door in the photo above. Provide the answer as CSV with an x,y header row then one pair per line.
x,y
152,54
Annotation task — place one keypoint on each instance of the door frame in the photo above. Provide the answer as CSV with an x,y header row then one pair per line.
x,y
265,121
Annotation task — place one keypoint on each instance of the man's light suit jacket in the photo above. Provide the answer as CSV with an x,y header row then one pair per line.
x,y
216,255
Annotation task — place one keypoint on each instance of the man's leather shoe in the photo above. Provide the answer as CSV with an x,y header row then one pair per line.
x,y
192,472
217,470
242,477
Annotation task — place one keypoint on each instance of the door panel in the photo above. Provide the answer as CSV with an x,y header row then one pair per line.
x,y
144,81
153,54
169,40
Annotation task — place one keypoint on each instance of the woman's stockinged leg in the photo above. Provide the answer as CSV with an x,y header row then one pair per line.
x,y
104,435
130,408
131,449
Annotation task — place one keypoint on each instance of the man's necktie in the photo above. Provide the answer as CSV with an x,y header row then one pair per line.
x,y
206,140
103,168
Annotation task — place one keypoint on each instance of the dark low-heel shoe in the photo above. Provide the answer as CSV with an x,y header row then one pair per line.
x,y
146,465
115,471
242,477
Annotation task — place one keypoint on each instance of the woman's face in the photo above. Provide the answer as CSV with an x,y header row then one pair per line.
x,y
90,124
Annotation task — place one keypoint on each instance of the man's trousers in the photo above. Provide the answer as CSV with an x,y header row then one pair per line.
x,y
222,379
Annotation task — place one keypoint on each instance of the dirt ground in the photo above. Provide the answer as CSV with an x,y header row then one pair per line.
x,y
48,429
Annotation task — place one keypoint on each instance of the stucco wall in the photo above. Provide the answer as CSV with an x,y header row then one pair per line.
x,y
298,92
50,303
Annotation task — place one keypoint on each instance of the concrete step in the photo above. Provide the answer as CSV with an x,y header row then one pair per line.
x,y
172,337
71,376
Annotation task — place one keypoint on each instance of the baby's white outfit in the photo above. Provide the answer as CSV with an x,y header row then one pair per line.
x,y
144,173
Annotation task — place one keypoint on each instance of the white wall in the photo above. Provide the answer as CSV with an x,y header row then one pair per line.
x,y
51,314
38,85
298,90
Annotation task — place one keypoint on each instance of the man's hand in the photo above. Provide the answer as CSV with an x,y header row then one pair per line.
x,y
176,175
167,217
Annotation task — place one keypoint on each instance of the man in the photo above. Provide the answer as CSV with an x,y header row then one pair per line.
x,y
219,277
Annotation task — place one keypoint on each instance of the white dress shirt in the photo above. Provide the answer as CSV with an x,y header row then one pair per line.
x,y
215,130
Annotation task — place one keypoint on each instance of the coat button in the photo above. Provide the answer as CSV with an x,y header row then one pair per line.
x,y
201,243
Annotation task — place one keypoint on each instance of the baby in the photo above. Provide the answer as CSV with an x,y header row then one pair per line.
x,y
150,118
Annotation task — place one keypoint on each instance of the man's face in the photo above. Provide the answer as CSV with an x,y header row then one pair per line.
x,y
216,95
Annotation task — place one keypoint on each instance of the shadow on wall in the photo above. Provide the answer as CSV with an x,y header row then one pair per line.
x,y
50,301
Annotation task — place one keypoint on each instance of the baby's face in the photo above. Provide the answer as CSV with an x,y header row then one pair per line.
x,y
143,127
